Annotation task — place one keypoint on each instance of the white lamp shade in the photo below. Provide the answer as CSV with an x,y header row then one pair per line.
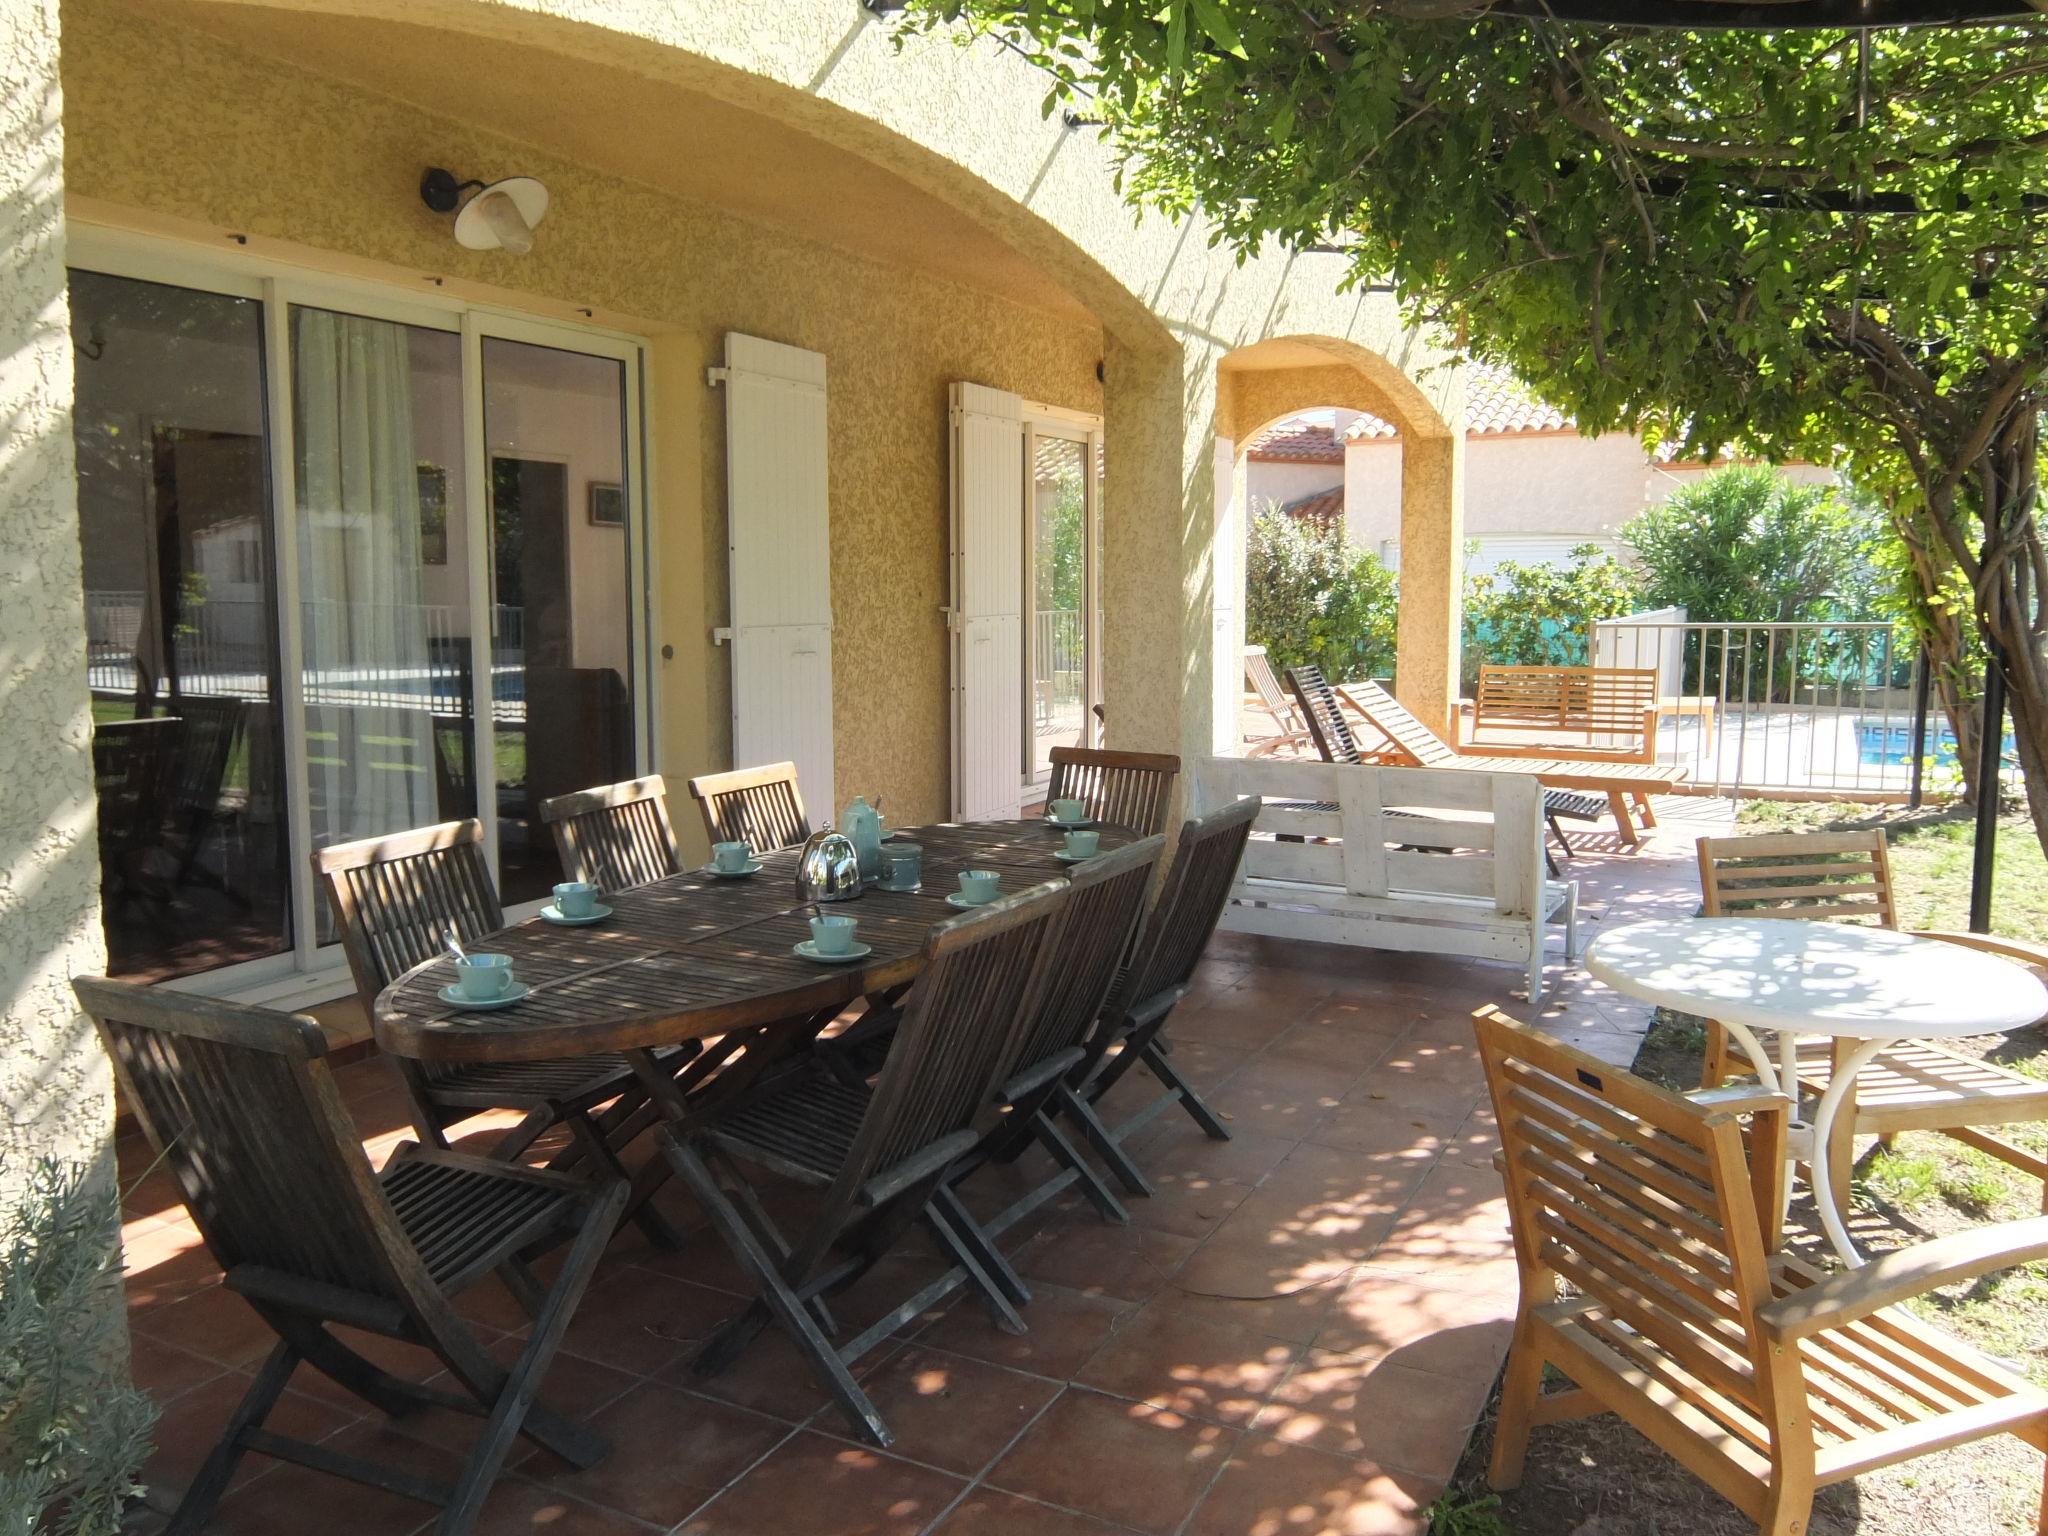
x,y
502,216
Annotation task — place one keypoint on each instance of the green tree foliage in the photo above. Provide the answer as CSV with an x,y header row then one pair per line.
x,y
1311,599
1747,545
73,1434
1543,615
1790,243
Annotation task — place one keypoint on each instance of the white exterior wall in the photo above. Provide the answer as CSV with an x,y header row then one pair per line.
x,y
1520,486
1279,481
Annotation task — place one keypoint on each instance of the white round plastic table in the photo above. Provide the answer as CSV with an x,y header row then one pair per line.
x,y
1795,976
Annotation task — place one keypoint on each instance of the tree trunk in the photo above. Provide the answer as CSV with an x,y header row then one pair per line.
x,y
1939,628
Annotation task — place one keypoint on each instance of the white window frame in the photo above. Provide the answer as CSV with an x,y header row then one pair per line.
x,y
1059,422
309,972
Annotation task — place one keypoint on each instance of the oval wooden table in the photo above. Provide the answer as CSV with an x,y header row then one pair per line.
x,y
1795,976
693,957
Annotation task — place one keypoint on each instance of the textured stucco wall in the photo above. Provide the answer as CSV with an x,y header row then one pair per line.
x,y
55,1086
243,141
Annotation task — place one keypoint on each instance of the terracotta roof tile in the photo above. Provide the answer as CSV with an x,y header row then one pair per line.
x,y
1496,404
1297,442
1318,506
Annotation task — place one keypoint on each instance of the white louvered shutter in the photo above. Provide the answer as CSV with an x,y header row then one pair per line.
x,y
986,618
1226,657
780,561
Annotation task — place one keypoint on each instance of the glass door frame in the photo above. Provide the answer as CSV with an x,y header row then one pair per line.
x,y
1059,423
310,970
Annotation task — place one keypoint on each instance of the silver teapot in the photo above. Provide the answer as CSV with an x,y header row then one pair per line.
x,y
828,869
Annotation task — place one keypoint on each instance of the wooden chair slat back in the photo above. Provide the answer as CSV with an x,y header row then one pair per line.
x,y
1105,904
241,1105
616,836
1394,720
958,1030
1643,1202
1327,727
1125,789
213,727
1258,669
1191,902
760,806
395,896
1829,875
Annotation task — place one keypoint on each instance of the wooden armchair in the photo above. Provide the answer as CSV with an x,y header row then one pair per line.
x,y
1915,1085
616,836
1125,789
1765,1377
239,1102
759,806
394,899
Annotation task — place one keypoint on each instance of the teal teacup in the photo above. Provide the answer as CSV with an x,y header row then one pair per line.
x,y
1069,810
832,934
731,858
482,977
978,887
1083,844
576,898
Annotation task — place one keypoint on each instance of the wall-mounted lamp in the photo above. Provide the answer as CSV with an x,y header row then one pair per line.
x,y
498,216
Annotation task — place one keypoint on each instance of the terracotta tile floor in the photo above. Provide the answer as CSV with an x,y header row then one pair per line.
x,y
1292,1338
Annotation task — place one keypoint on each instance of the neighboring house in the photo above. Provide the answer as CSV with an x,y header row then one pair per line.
x,y
1535,486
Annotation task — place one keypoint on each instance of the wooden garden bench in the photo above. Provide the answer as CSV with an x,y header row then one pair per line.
x,y
1602,714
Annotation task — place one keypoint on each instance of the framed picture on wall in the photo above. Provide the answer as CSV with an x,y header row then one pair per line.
x,y
607,504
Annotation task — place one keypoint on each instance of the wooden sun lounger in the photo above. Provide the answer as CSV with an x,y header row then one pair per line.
x,y
1627,786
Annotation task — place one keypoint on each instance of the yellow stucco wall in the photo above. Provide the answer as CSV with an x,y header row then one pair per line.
x,y
171,121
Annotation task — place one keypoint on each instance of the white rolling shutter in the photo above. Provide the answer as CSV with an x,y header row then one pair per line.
x,y
780,560
986,617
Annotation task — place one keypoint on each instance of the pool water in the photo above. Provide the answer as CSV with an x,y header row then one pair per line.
x,y
1880,743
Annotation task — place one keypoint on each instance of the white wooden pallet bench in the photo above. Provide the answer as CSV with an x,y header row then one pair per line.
x,y
1420,859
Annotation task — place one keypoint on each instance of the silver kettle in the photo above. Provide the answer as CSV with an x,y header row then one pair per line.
x,y
828,869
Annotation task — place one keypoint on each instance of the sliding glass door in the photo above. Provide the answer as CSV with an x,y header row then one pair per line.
x,y
561,643
350,568
181,610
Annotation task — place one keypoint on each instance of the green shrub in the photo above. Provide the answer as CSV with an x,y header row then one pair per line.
x,y
1543,615
72,1432
1311,599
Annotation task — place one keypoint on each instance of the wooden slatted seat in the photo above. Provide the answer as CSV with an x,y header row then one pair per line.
x,y
1289,731
1913,1085
761,807
1764,1376
1125,789
881,1154
1405,739
615,837
1206,856
241,1106
394,900
1603,714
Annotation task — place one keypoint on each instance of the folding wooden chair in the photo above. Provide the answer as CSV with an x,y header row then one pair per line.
x,y
1082,959
240,1104
1289,731
616,836
394,900
1766,1377
1913,1085
759,806
1161,969
882,1154
1125,789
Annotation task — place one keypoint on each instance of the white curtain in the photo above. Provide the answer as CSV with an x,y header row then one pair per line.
x,y
366,655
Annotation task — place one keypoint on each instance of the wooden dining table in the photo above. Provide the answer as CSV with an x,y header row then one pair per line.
x,y
698,958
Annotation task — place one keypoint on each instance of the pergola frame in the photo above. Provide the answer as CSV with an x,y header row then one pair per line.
x,y
1770,15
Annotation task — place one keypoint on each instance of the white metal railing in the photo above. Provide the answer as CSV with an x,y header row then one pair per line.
x,y
1058,659
1822,707
223,648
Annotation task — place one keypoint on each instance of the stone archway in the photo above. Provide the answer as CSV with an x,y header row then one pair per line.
x,y
1284,376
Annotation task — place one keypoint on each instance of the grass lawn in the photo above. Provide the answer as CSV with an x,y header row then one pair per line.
x,y
1596,1477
